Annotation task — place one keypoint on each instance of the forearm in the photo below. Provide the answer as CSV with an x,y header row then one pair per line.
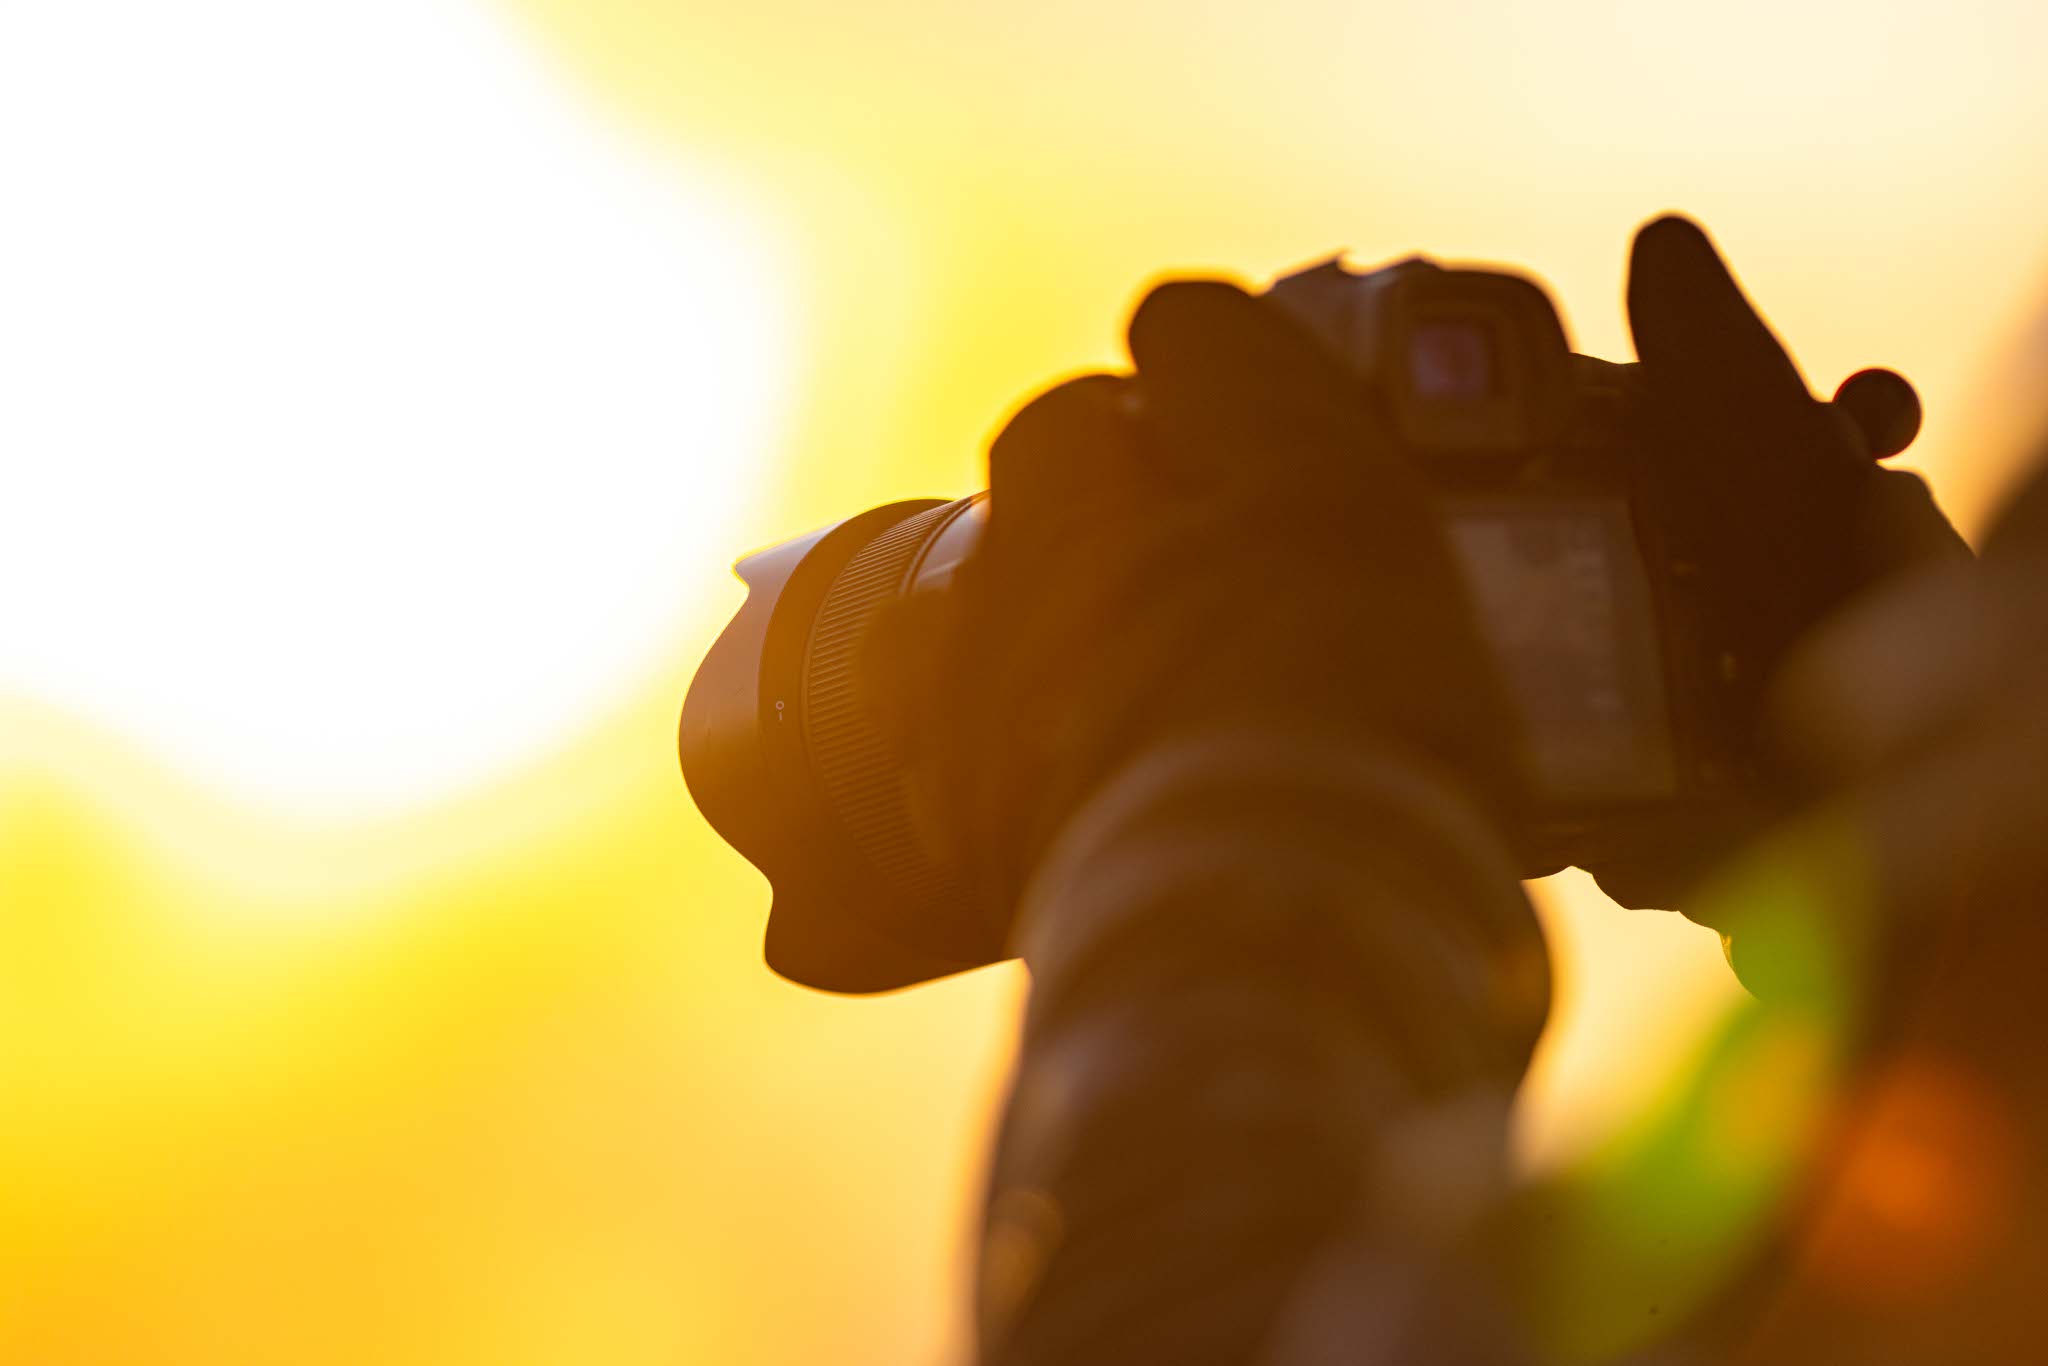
x,y
1281,997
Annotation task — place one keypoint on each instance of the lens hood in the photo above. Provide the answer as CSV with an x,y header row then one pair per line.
x,y
781,760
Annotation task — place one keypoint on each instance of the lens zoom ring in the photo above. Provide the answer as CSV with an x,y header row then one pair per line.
x,y
861,778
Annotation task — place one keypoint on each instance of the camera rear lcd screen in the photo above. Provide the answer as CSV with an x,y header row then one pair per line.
x,y
1560,591
1451,361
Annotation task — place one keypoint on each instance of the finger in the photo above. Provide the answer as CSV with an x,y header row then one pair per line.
x,y
1067,451
1229,378
1698,337
1207,341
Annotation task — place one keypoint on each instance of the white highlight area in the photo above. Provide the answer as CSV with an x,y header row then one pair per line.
x,y
365,403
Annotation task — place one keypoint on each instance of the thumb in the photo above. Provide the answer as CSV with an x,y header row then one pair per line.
x,y
1698,337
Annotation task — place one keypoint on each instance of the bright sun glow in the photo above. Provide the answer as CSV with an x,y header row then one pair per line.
x,y
369,403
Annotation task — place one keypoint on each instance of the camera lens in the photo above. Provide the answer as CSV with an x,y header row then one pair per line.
x,y
785,762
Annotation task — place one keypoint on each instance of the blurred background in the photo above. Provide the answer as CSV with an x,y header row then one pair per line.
x,y
384,391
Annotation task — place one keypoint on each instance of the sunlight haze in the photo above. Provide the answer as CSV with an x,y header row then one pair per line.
x,y
391,385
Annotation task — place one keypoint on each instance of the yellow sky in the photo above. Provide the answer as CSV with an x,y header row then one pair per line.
x,y
497,1076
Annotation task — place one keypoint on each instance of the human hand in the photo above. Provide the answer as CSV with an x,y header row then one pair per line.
x,y
1225,538
1772,494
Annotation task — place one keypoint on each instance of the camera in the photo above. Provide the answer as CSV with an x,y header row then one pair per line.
x,y
1627,701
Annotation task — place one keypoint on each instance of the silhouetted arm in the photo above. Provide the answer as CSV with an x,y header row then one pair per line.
x,y
1282,994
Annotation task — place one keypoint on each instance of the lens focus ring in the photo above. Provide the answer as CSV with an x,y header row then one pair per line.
x,y
862,777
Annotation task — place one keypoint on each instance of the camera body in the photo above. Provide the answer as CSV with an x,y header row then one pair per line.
x,y
1596,624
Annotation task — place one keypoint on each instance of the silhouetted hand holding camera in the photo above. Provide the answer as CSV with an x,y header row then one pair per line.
x,y
1225,539
1775,496
1233,531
